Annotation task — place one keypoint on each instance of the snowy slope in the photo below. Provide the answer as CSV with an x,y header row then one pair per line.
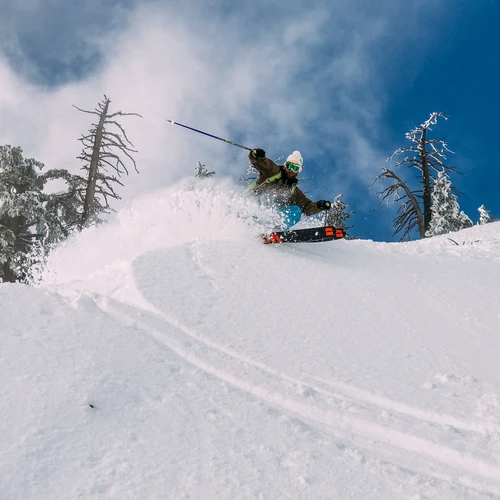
x,y
221,368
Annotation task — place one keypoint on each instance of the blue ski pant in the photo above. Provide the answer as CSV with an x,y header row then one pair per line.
x,y
290,215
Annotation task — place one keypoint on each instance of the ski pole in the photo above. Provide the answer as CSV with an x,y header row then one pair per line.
x,y
209,135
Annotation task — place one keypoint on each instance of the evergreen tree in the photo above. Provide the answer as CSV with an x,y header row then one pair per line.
x,y
446,214
251,175
464,221
338,216
201,171
30,220
484,216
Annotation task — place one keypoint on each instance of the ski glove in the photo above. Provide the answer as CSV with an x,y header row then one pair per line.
x,y
324,204
259,153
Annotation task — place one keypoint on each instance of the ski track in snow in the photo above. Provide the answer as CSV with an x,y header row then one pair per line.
x,y
429,445
317,404
236,406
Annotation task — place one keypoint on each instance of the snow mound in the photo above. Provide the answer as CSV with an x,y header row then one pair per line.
x,y
171,355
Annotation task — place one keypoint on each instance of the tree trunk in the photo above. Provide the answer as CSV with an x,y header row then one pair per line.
x,y
7,273
426,185
14,224
94,165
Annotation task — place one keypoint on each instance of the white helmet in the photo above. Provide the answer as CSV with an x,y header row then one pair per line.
x,y
296,159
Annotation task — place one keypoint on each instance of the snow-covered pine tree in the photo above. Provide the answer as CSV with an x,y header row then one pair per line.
x,y
201,170
484,216
338,216
446,215
464,221
251,175
29,218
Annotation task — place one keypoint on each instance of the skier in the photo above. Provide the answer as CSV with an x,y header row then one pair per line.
x,y
279,184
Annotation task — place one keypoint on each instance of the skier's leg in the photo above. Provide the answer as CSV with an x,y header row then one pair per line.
x,y
290,215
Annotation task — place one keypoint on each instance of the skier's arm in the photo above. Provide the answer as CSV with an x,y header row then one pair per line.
x,y
264,165
307,206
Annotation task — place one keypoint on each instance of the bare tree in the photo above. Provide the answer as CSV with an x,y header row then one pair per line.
x,y
100,154
428,157
410,214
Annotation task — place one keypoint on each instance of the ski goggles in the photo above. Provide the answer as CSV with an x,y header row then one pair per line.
x,y
292,167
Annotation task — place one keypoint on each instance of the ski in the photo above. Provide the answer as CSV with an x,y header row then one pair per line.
x,y
309,235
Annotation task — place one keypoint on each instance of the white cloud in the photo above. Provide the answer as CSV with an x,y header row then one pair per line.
x,y
264,81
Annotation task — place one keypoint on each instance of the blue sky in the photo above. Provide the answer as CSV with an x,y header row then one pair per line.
x,y
342,81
